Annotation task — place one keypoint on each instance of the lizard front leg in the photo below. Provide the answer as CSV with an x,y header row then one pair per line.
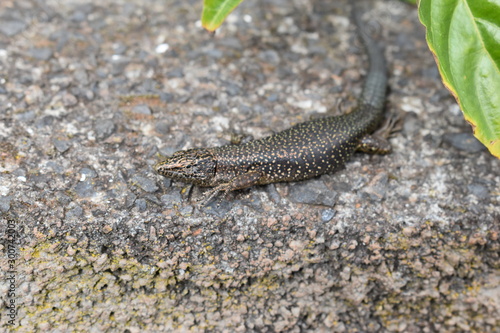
x,y
239,182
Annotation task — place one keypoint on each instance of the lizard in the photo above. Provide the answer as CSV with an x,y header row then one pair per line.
x,y
304,151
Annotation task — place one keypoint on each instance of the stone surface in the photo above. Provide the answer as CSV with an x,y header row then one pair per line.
x,y
409,242
464,141
11,27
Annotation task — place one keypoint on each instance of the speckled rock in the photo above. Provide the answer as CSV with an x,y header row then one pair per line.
x,y
11,27
5,203
313,192
464,141
406,242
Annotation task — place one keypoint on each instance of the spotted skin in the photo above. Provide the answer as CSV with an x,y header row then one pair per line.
x,y
303,151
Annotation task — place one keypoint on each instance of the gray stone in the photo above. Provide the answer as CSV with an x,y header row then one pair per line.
x,y
233,43
176,72
23,143
232,88
152,198
78,16
119,48
312,192
289,265
81,76
411,124
75,212
141,204
45,121
130,199
61,38
62,81
273,97
205,98
479,190
184,98
166,182
118,64
25,116
11,27
41,53
430,72
20,172
85,189
171,199
89,173
5,202
141,109
218,206
377,187
214,53
104,128
145,183
61,145
69,100
269,56
63,198
166,97
186,210
55,167
273,193
327,214
40,180
464,141
162,127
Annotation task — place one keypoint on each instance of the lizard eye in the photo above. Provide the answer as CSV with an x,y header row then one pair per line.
x,y
196,165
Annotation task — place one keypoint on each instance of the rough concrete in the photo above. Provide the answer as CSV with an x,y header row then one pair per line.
x,y
91,93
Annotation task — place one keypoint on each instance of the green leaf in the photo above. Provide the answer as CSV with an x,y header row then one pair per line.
x,y
464,36
216,11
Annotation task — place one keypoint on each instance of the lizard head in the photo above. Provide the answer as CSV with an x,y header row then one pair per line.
x,y
195,166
